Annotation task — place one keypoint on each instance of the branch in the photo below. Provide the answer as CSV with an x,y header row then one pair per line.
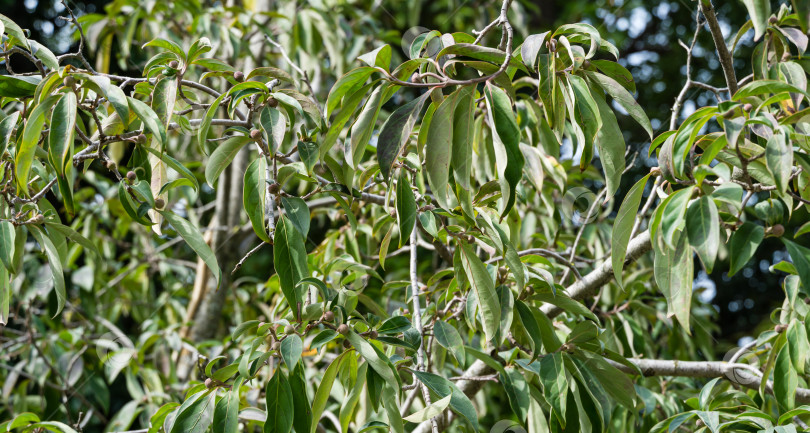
x,y
736,373
722,50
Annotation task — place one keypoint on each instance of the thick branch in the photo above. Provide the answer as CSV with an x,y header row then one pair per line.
x,y
739,374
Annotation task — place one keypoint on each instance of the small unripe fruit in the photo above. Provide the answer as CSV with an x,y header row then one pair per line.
x,y
748,107
239,76
255,134
69,81
39,219
131,176
347,344
159,203
110,165
174,64
274,188
141,138
209,383
373,334
772,20
343,329
290,330
552,45
276,346
273,102
778,230
328,316
780,328
586,64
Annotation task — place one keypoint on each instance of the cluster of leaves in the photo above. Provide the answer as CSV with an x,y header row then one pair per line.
x,y
467,166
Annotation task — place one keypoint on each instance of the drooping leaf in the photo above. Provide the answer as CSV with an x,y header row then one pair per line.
x,y
290,261
703,229
449,338
254,197
194,239
226,412
395,132
222,157
196,414
30,141
406,208
55,263
760,11
297,212
674,274
459,402
623,225
439,148
779,160
508,157
484,288
744,243
800,256
279,398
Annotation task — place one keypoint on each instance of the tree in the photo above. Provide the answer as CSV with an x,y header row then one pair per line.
x,y
453,239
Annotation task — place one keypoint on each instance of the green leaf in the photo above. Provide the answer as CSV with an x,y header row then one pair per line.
x,y
298,213
205,125
150,119
195,414
785,380
529,323
167,45
484,288
291,349
254,196
624,98
429,412
380,57
508,157
7,126
45,55
226,412
459,402
623,225
762,87
275,125
760,11
479,52
344,85
586,116
301,406
406,208
5,295
278,395
611,146
800,256
222,157
703,229
14,32
673,215
463,135
30,141
194,239
555,384
290,261
439,148
375,358
395,132
674,273
779,160
363,126
744,243
55,263
12,86
175,165
60,145
449,338
113,93
324,389
7,235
